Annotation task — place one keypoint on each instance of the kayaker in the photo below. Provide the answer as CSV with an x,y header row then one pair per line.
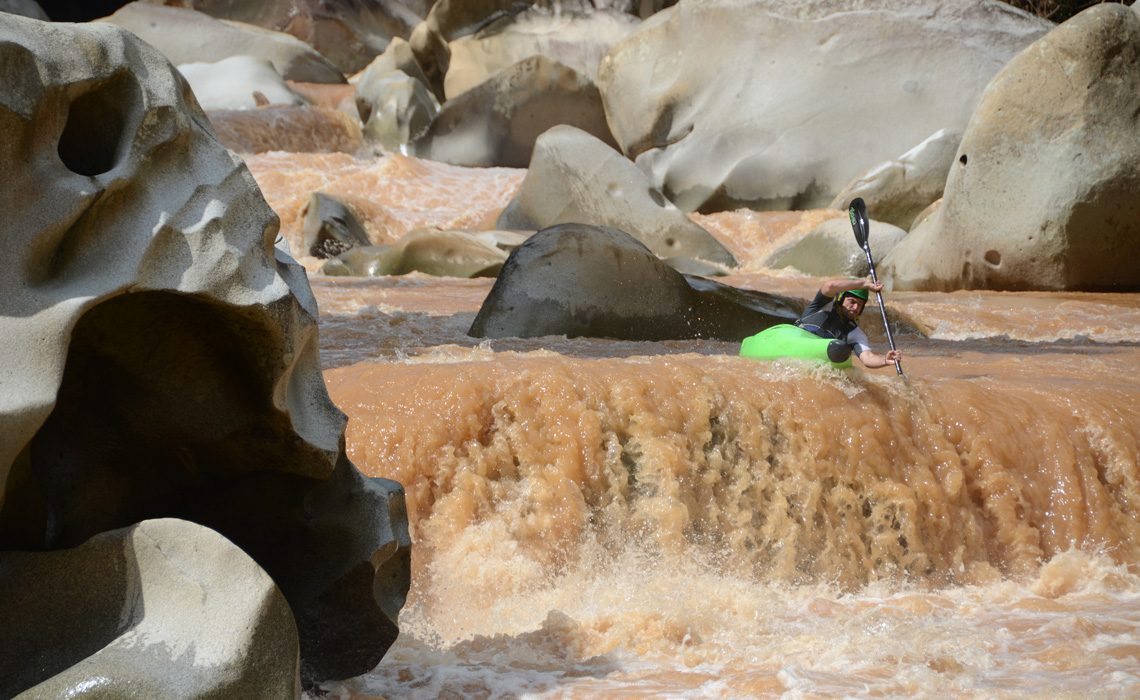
x,y
834,313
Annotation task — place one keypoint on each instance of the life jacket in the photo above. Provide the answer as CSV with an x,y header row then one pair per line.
x,y
827,323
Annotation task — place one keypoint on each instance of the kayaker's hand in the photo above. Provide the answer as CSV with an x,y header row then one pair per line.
x,y
894,355
872,286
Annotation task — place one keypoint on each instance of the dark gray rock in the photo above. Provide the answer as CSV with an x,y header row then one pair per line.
x,y
581,280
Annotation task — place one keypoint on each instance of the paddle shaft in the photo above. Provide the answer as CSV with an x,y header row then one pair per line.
x,y
882,307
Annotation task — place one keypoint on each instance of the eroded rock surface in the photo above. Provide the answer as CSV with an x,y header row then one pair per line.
x,y
160,352
1044,192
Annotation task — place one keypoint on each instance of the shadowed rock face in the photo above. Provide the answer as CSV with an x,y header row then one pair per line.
x,y
160,353
580,280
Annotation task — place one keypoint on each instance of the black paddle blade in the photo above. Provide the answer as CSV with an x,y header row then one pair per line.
x,y
858,214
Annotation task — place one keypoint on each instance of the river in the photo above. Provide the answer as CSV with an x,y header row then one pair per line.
x,y
597,518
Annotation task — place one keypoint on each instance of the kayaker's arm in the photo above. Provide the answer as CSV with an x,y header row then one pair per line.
x,y
873,360
833,287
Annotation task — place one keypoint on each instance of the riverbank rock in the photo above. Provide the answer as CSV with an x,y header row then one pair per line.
x,y
594,281
576,40
348,33
497,122
575,178
238,82
186,36
440,253
161,354
899,190
830,249
164,608
777,105
1045,189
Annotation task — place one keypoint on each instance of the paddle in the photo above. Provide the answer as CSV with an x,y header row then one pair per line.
x,y
858,214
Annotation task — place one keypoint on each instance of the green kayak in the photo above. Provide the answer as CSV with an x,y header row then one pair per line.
x,y
786,340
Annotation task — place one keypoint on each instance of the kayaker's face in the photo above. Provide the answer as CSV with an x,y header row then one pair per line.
x,y
852,307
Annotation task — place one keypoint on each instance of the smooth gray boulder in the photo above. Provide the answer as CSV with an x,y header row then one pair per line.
x,y
165,608
440,253
830,249
186,36
1045,189
400,110
594,281
349,33
161,354
330,227
898,190
26,8
576,40
497,122
777,105
575,178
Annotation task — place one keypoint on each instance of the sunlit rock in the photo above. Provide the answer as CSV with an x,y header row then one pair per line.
x,y
238,82
186,36
164,608
400,110
582,280
497,122
779,105
392,195
161,354
574,177
1045,189
576,40
331,227
305,129
830,250
346,32
439,253
26,8
898,190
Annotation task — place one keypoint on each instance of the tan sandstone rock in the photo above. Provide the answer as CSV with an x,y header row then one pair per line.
x,y
1045,189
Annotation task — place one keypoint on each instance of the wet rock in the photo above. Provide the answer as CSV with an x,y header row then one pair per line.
x,y
331,228
440,253
161,354
574,177
497,122
164,608
400,110
1045,189
901,189
581,280
186,36
757,103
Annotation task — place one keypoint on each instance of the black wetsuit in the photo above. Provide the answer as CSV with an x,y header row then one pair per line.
x,y
821,318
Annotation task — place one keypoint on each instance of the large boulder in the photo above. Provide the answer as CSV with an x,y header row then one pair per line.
x,y
575,178
165,608
349,33
238,82
186,36
161,354
576,40
1045,189
898,190
581,280
777,105
831,250
497,122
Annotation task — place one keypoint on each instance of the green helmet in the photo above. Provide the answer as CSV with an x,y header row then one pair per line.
x,y
858,293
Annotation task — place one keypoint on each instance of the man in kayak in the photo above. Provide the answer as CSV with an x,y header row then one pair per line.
x,y
831,316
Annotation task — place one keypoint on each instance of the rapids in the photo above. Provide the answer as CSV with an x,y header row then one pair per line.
x,y
597,518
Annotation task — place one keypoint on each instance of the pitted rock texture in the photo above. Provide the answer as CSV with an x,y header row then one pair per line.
x,y
160,354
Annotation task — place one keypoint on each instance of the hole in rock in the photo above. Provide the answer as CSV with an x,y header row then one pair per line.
x,y
962,160
96,121
993,257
